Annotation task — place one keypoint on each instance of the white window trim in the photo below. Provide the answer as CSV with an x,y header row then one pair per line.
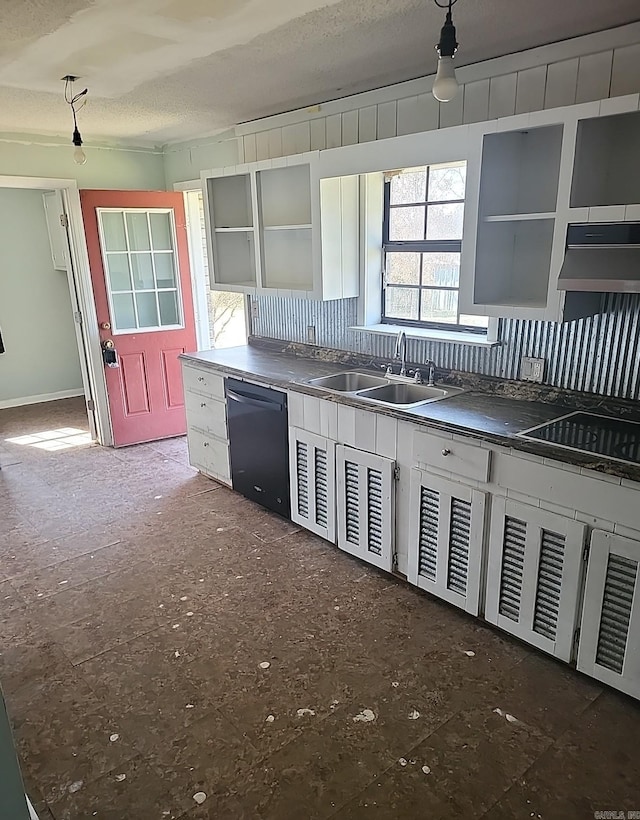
x,y
370,299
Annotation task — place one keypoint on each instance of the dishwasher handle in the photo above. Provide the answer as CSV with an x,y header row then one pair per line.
x,y
253,401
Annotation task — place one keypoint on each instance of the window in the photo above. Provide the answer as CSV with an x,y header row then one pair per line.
x,y
422,241
139,257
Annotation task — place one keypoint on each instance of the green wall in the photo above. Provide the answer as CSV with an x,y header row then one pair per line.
x,y
185,160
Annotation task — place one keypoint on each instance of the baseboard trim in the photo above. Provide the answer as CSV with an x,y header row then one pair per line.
x,y
61,394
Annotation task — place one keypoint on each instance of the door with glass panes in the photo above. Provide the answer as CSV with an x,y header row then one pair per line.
x,y
139,259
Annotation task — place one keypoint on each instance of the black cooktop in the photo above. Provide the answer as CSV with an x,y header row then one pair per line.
x,y
590,433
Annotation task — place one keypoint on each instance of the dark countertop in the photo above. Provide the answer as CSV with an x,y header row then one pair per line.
x,y
476,413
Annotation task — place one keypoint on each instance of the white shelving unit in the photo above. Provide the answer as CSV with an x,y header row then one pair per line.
x,y
276,228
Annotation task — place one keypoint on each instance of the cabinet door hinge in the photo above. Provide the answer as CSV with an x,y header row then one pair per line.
x,y
396,473
585,552
77,317
576,638
64,220
91,405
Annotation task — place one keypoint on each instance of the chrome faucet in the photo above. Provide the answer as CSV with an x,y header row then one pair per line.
x,y
431,371
401,352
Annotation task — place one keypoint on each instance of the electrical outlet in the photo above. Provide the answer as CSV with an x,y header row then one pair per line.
x,y
531,370
311,334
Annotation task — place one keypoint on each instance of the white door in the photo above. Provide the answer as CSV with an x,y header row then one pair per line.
x,y
533,580
365,505
609,647
446,536
312,467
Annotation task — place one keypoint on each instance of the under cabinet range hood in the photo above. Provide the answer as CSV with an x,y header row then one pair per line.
x,y
602,257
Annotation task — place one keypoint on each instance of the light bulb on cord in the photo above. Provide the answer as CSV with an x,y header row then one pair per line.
x,y
79,156
445,86
75,101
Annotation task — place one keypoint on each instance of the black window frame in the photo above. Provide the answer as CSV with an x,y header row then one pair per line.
x,y
419,246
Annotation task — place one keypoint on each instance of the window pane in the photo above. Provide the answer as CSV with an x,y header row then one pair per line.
x,y
138,231
447,182
445,221
474,321
168,308
125,317
401,303
147,309
165,274
113,231
403,268
409,187
160,231
439,306
142,271
118,267
441,269
406,223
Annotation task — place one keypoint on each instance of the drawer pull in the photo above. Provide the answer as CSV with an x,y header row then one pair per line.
x,y
446,452
203,404
200,378
206,444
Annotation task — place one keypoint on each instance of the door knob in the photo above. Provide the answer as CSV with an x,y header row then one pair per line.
x,y
109,355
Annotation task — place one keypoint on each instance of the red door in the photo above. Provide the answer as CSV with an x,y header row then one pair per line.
x,y
139,258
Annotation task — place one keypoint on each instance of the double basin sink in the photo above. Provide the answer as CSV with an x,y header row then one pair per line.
x,y
392,391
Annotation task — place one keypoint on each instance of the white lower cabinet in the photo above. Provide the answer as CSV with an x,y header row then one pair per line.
x,y
446,536
365,493
312,470
533,579
609,647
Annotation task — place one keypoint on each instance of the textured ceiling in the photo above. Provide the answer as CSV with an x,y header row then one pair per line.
x,y
163,70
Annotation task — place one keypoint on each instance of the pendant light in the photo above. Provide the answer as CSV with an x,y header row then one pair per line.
x,y
79,156
445,86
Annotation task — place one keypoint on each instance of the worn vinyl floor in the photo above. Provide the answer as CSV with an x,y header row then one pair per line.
x,y
162,637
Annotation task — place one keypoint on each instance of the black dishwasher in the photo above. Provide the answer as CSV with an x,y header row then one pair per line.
x,y
259,444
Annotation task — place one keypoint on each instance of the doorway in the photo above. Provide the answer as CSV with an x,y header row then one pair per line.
x,y
45,401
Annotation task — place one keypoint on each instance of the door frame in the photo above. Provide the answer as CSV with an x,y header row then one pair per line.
x,y
81,292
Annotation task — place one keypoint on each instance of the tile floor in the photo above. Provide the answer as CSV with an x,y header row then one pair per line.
x,y
141,603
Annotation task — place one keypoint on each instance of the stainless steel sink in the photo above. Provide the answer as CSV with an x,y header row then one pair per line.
x,y
402,394
349,382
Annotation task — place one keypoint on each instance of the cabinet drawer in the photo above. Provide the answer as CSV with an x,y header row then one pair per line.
x,y
466,460
203,381
207,414
208,454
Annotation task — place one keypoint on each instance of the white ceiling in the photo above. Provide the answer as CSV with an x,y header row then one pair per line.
x,y
164,70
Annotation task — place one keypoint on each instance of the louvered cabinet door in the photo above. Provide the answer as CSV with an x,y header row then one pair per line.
x,y
313,482
365,505
446,533
534,573
609,647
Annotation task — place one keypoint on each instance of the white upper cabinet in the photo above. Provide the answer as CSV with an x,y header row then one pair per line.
x,y
609,648
54,211
274,227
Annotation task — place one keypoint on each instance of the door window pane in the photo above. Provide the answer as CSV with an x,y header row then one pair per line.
x,y
165,273
142,271
406,224
161,231
118,268
138,231
403,268
445,221
439,306
147,309
125,317
447,182
168,307
113,231
441,269
401,303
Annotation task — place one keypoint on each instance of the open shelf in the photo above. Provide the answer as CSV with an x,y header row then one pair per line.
x,y
287,259
520,171
285,196
513,262
235,261
606,169
286,227
230,201
234,230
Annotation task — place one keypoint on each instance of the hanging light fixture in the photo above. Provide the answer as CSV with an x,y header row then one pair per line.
x,y
445,86
79,156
